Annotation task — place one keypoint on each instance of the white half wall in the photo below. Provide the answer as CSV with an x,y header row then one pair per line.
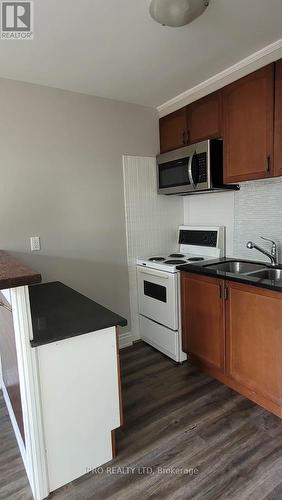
x,y
151,221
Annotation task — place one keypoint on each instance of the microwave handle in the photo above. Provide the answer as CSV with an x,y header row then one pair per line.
x,y
190,175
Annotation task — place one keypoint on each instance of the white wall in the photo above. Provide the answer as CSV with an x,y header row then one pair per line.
x,y
151,220
212,209
61,179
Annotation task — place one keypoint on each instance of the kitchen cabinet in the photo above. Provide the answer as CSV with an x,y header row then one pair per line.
x,y
254,340
248,110
278,120
197,122
247,114
173,131
234,332
204,118
203,319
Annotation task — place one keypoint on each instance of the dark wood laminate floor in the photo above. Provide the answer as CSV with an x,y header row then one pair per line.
x,y
194,437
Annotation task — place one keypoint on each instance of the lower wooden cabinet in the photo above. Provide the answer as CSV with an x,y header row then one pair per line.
x,y
254,339
203,327
234,331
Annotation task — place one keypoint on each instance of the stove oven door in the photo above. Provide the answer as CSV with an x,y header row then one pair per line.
x,y
157,296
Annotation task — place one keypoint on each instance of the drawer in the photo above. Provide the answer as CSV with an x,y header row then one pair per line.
x,y
160,337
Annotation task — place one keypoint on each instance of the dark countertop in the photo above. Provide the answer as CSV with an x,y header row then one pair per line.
x,y
13,273
200,268
58,312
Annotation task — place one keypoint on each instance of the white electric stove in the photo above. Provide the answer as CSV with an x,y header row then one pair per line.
x,y
159,286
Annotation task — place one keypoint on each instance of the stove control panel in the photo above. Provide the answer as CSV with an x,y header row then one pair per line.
x,y
199,238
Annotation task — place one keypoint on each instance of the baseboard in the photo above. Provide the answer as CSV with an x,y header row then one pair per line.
x,y
14,424
125,340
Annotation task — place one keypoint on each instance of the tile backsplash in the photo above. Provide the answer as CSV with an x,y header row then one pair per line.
x,y
258,212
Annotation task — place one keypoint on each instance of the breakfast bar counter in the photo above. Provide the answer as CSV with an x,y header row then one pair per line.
x,y
59,376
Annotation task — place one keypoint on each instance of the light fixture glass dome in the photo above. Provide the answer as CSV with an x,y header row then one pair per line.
x,y
177,13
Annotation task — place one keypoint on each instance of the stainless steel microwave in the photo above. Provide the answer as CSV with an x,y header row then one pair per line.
x,y
194,169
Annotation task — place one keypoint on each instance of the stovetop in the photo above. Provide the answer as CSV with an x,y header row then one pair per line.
x,y
196,244
168,262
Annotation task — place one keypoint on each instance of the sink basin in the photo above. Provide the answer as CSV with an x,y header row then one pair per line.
x,y
268,274
237,267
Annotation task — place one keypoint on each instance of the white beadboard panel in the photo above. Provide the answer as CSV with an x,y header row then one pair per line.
x,y
151,220
214,209
258,212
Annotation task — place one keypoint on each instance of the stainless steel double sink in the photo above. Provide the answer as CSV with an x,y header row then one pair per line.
x,y
251,269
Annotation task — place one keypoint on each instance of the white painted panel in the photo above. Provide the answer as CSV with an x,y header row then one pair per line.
x,y
33,453
151,221
80,402
215,209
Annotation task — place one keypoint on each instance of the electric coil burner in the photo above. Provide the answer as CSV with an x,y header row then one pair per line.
x,y
177,255
156,259
195,259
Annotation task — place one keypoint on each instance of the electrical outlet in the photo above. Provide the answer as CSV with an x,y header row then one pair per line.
x,y
35,243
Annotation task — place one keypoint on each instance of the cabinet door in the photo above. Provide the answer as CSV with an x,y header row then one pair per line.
x,y
203,319
204,118
278,120
254,339
248,126
173,131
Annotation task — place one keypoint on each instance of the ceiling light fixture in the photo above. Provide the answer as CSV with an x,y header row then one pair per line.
x,y
177,13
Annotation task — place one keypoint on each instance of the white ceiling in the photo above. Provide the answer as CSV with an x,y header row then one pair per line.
x,y
112,48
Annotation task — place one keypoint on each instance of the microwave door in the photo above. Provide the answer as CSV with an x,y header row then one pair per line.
x,y
173,177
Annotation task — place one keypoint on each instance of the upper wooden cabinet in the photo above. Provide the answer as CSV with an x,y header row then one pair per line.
x,y
278,119
204,118
173,131
203,319
248,110
197,122
247,114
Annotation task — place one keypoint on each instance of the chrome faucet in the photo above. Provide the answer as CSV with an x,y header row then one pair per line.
x,y
273,255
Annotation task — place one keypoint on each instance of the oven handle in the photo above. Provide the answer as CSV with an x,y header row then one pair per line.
x,y
153,273
190,175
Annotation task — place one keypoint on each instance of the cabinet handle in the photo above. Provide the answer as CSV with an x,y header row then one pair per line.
x,y
225,293
268,164
184,137
220,291
188,136
5,306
